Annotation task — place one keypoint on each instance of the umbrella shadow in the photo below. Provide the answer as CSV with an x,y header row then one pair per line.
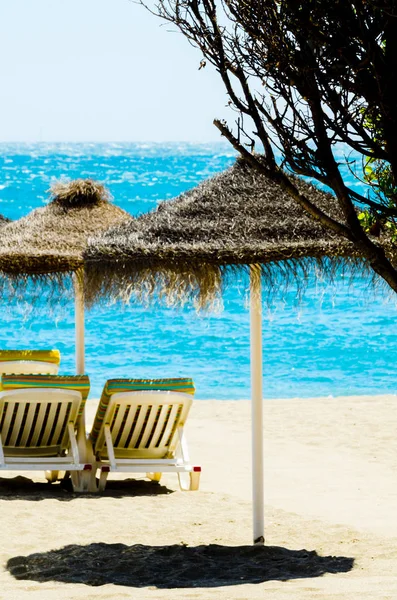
x,y
23,488
176,566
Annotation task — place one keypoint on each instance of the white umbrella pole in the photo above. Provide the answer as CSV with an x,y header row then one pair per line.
x,y
79,315
257,405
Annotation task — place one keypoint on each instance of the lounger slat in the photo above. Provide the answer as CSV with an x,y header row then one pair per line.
x,y
147,426
123,430
134,419
40,424
164,423
177,421
24,433
52,414
125,434
151,425
138,426
57,425
117,422
3,412
166,437
61,432
15,423
52,423
6,420
156,426
31,440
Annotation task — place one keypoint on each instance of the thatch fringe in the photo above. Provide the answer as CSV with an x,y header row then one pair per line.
x,y
203,285
50,290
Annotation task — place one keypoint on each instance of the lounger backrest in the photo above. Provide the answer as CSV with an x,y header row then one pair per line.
x,y
113,386
35,421
29,361
144,424
78,383
27,367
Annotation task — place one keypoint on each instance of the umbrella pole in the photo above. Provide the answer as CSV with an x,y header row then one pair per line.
x,y
84,478
79,317
257,405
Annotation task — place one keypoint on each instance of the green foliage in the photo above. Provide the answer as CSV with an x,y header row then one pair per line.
x,y
379,176
392,228
366,219
373,223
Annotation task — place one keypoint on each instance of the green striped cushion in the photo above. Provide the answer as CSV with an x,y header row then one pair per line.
x,y
79,383
50,356
112,386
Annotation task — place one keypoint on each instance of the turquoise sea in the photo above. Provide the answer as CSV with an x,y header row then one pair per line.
x,y
340,339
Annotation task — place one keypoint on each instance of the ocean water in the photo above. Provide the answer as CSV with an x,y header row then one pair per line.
x,y
340,339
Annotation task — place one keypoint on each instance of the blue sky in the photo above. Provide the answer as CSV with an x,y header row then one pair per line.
x,y
101,70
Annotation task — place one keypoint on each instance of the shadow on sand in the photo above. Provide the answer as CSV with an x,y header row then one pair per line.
x,y
23,488
176,566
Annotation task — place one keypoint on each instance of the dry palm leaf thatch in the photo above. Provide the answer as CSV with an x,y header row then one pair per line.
x,y
4,220
189,246
49,242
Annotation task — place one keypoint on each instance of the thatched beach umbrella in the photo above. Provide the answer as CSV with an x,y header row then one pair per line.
x,y
189,246
48,243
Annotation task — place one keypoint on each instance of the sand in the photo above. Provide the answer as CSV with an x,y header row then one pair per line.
x,y
330,509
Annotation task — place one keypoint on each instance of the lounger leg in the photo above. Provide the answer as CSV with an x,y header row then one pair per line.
x,y
184,481
195,479
88,479
154,476
189,481
76,481
51,476
106,468
103,478
90,457
81,481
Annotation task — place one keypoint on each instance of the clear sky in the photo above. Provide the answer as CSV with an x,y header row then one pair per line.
x,y
101,70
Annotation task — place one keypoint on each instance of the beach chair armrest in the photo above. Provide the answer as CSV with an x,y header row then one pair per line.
x,y
2,459
109,446
183,448
73,443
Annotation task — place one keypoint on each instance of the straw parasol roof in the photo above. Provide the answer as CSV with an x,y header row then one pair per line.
x,y
4,220
51,239
189,246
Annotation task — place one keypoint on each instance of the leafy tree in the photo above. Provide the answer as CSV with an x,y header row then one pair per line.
x,y
303,76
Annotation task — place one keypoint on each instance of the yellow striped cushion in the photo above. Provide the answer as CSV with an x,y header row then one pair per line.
x,y
50,356
112,386
79,383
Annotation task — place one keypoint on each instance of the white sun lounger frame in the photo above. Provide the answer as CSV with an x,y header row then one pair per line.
x,y
30,419
143,432
28,367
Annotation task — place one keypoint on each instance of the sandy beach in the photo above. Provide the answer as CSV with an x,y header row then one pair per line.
x,y
331,529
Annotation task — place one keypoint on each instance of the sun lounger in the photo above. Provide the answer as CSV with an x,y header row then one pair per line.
x,y
139,428
29,361
42,426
